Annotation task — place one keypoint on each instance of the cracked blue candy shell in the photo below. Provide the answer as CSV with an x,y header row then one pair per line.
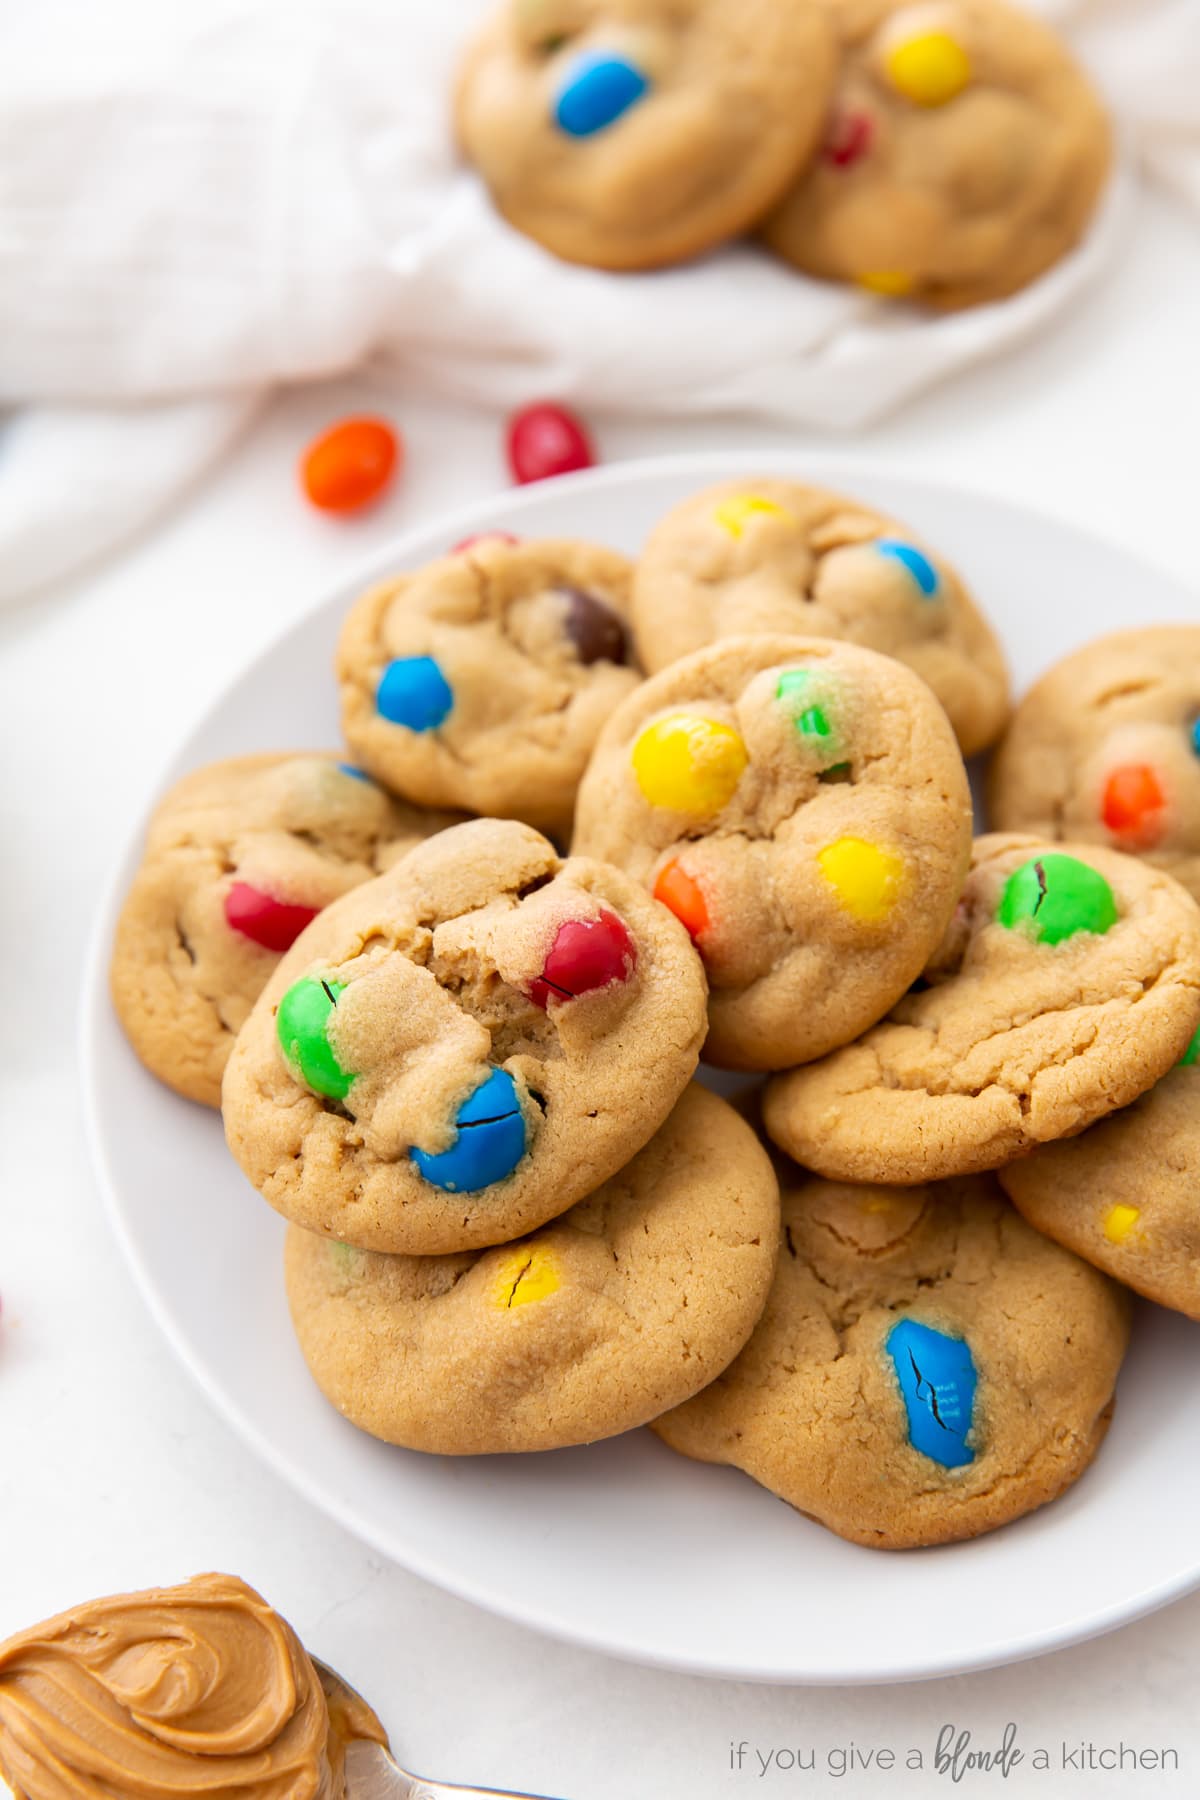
x,y
937,1379
489,1143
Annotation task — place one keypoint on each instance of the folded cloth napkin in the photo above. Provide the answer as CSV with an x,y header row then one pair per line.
x,y
201,201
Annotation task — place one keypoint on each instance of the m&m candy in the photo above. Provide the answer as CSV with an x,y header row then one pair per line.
x,y
679,893
526,1273
414,692
915,561
1053,897
687,763
599,89
489,1139
350,465
1134,806
272,924
936,1373
1191,1055
302,1031
850,137
1120,1221
867,880
735,514
547,440
483,537
929,68
586,955
595,631
811,719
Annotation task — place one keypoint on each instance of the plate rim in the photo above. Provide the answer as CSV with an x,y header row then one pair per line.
x,y
821,467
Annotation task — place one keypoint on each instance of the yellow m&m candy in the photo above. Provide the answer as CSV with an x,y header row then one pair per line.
x,y
529,1272
735,513
689,764
928,69
867,880
893,284
1119,1222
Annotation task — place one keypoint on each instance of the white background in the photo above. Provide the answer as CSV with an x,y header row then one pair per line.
x,y
113,1471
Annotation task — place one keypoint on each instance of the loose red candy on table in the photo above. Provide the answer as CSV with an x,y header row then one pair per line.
x,y
350,465
586,954
270,923
547,440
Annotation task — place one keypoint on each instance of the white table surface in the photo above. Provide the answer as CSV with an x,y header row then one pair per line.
x,y
114,1472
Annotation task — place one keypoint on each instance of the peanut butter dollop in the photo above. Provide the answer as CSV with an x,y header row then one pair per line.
x,y
198,1690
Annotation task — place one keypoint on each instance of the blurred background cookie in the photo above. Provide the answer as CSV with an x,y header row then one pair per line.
x,y
627,1304
482,680
632,133
1105,749
1126,1195
801,805
777,556
964,155
465,1047
1067,984
240,857
927,1368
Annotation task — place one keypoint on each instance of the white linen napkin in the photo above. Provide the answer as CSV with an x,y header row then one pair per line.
x,y
203,200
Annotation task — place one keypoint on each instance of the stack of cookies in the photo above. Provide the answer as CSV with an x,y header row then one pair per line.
x,y
601,820
946,152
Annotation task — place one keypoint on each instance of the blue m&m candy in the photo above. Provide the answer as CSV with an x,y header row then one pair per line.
x,y
917,564
598,90
1196,736
490,1140
355,773
936,1373
415,693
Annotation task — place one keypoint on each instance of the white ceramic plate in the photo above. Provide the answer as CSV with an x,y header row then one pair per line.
x,y
624,1547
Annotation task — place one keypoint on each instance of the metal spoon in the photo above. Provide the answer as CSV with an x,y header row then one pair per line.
x,y
372,1773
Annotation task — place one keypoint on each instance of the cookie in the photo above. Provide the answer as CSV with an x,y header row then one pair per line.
x,y
1068,983
802,807
240,857
628,1304
481,681
1105,749
1126,1195
771,555
964,155
627,134
927,1367
464,1048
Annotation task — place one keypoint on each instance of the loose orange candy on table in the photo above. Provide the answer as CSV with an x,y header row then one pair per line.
x,y
350,465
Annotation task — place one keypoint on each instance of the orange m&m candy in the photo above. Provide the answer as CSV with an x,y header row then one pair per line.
x,y
1134,806
676,890
350,465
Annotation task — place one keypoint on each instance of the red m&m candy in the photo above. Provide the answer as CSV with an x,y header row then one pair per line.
x,y
272,924
850,137
483,537
1134,806
547,440
586,954
350,464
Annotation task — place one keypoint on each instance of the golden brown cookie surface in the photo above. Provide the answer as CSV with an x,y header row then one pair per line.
x,y
770,555
239,857
481,681
802,806
460,1050
627,1304
964,155
1126,1195
627,134
927,1367
1069,982
1105,749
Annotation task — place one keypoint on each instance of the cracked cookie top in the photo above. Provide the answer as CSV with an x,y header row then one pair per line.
x,y
965,153
624,1306
926,1369
1124,1195
463,1048
481,681
1067,984
627,134
768,555
801,805
1105,749
240,856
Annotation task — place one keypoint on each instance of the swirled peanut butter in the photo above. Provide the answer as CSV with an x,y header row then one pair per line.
x,y
189,1691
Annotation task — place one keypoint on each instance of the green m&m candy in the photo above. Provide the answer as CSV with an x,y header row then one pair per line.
x,y
1055,896
1191,1055
302,1029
